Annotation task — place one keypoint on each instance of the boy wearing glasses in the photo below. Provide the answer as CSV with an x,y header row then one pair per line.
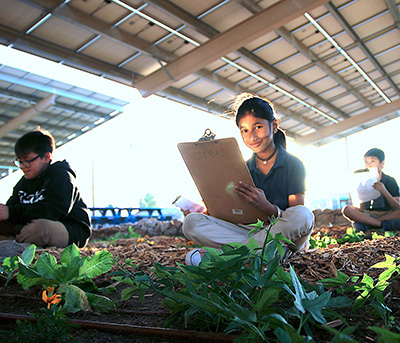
x,y
45,208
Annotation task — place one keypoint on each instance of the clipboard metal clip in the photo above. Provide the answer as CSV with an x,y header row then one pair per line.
x,y
208,136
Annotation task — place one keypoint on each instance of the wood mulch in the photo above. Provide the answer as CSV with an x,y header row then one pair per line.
x,y
353,259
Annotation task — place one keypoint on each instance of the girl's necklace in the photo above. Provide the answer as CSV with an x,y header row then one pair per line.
x,y
265,160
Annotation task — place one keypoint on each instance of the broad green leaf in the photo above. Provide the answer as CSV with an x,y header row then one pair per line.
x,y
27,282
269,297
28,271
340,279
99,303
367,280
47,267
28,254
69,255
71,261
270,251
299,291
343,336
385,336
386,264
128,292
74,298
339,302
282,335
387,274
316,305
101,262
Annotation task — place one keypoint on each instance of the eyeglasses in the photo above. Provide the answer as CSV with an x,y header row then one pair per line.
x,y
25,163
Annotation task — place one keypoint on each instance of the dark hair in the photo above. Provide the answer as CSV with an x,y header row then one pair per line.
x,y
375,152
247,103
38,141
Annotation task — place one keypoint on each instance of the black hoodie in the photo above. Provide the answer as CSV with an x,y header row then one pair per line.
x,y
52,195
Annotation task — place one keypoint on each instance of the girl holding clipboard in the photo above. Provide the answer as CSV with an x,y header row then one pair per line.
x,y
279,179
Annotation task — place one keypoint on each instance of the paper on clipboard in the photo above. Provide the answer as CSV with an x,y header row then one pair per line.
x,y
366,179
216,166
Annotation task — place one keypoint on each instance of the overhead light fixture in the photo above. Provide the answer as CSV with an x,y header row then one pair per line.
x,y
98,121
41,21
346,55
175,32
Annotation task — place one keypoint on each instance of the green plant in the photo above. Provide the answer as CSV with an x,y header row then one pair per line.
x,y
120,235
386,336
9,267
343,336
72,277
370,291
317,241
242,290
49,326
376,235
351,236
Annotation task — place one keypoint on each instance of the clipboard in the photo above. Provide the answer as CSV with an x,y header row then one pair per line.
x,y
216,166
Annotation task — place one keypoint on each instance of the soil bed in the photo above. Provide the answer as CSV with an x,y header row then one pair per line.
x,y
353,259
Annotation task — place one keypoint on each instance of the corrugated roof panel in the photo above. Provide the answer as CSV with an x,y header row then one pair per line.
x,y
226,16
53,30
20,17
202,89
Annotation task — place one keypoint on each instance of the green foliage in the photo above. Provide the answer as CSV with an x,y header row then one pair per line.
x,y
351,236
386,336
370,292
69,276
9,267
242,290
376,235
317,241
148,201
120,235
49,327
343,336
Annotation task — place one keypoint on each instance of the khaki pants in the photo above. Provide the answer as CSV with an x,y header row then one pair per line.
x,y
296,224
41,232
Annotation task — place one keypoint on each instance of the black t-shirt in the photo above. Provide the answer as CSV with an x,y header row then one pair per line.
x,y
381,204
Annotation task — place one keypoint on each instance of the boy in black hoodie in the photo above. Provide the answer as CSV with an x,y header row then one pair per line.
x,y
45,208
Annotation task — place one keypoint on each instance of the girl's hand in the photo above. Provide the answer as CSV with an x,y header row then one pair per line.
x,y
254,196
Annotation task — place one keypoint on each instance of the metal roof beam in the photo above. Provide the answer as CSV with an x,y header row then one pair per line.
x,y
256,26
236,89
27,115
394,10
284,33
59,92
60,106
352,33
350,123
52,51
210,32
264,65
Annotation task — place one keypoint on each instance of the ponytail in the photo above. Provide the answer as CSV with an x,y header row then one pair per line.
x,y
280,138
